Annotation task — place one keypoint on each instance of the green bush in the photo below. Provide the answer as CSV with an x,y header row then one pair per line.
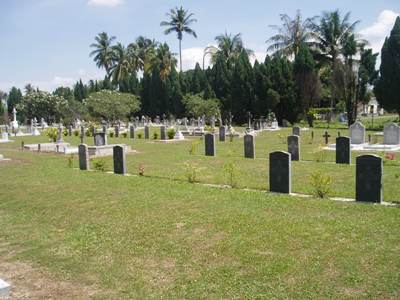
x,y
155,135
70,161
111,134
171,133
139,135
191,172
99,164
76,132
230,171
124,135
321,184
193,147
52,133
65,132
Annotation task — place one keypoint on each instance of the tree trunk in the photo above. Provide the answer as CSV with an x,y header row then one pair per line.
x,y
180,54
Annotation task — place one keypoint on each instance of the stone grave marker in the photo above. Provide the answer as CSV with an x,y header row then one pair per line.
x,y
249,146
209,140
391,134
369,171
116,131
357,133
132,132
296,130
294,146
163,134
100,139
83,153
119,158
326,136
280,172
343,150
222,133
146,132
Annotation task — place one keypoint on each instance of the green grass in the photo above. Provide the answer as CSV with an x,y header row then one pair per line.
x,y
158,236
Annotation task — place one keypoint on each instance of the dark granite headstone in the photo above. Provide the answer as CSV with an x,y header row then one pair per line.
x,y
163,135
369,171
100,139
343,150
146,132
222,133
83,157
70,130
294,146
209,139
296,130
132,132
119,160
249,146
280,172
116,131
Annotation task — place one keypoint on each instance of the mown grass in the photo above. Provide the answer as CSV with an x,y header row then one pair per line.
x,y
146,237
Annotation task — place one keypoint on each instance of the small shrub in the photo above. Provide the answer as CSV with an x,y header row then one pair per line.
x,y
52,133
193,147
76,132
111,134
88,133
155,135
99,165
171,133
141,170
70,161
191,172
321,184
65,132
124,135
139,135
230,170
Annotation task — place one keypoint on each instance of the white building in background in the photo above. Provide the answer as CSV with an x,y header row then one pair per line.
x,y
372,107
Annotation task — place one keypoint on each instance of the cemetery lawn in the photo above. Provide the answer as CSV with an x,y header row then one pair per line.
x,y
158,236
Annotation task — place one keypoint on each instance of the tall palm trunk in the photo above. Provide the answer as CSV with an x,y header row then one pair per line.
x,y
180,54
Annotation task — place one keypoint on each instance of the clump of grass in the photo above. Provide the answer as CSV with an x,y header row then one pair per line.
x,y
141,170
321,184
99,165
193,147
70,161
171,133
230,171
320,154
191,172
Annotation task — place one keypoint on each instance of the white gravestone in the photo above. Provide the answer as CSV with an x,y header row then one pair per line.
x,y
391,134
357,133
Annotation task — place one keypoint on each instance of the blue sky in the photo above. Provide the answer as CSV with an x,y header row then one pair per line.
x,y
46,42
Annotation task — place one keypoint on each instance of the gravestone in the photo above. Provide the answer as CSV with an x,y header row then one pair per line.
x,y
249,146
357,133
59,135
163,135
369,169
209,140
132,132
280,172
222,133
391,134
83,157
119,160
116,131
100,138
146,132
343,150
326,136
294,146
69,130
296,130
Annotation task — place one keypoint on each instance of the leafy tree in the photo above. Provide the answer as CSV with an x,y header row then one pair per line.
x,y
64,92
103,53
179,22
112,105
14,98
291,35
80,91
142,53
387,88
196,106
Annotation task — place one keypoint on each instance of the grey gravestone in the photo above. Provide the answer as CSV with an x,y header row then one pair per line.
x,y
119,160
280,172
132,132
369,169
296,130
294,146
249,146
222,133
209,139
116,129
100,139
146,132
59,135
70,130
357,133
83,157
343,150
391,134
163,135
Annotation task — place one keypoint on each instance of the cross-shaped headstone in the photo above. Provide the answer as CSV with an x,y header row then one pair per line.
x,y
326,136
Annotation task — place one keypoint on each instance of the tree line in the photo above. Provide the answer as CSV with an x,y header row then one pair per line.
x,y
313,63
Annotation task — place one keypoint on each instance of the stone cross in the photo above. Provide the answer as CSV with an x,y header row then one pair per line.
x,y
326,136
280,172
369,173
249,146
343,150
294,146
83,157
119,158
209,139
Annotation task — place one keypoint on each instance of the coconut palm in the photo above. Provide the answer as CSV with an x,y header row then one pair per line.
x,y
179,22
122,66
143,51
164,59
291,35
103,53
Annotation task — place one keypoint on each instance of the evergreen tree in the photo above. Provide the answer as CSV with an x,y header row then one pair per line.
x,y
387,89
262,84
220,82
175,94
80,91
14,98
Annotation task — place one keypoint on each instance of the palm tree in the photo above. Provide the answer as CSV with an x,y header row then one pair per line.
x,y
179,22
103,53
164,59
143,51
291,35
122,66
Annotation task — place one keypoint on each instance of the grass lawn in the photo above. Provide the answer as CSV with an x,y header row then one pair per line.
x,y
158,236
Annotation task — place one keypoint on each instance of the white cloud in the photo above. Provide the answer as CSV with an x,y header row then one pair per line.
x,y
108,3
379,30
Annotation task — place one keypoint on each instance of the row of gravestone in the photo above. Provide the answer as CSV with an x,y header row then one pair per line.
x,y
369,169
391,133
369,174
